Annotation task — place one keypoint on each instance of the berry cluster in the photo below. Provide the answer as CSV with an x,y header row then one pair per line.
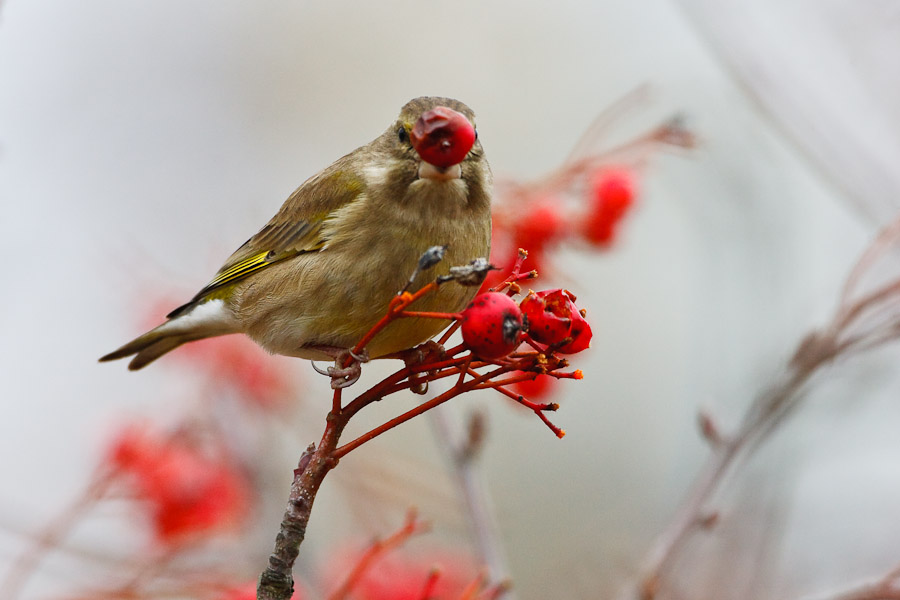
x,y
493,325
189,490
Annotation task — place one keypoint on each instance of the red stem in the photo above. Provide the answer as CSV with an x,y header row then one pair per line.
x,y
395,308
431,315
537,409
424,407
430,583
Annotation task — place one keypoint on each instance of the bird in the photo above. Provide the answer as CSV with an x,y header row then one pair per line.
x,y
323,270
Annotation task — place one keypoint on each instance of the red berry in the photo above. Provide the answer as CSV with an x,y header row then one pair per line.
x,y
442,137
581,336
613,195
492,325
538,227
549,320
534,389
553,317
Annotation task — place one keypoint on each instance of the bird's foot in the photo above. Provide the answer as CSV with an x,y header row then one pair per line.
x,y
342,376
426,352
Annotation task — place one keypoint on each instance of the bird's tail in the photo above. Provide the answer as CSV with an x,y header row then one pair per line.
x,y
201,321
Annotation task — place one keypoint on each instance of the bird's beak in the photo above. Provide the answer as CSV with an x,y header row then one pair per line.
x,y
429,171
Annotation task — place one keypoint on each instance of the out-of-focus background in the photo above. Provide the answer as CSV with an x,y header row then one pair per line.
x,y
140,143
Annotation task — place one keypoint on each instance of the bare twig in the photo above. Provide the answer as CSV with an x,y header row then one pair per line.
x,y
277,581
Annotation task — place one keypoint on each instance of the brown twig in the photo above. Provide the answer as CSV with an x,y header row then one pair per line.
x,y
277,581
414,412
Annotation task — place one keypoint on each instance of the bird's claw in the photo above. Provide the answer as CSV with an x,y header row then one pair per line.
x,y
342,377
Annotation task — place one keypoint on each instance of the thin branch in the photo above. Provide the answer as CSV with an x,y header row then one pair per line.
x,y
277,581
430,583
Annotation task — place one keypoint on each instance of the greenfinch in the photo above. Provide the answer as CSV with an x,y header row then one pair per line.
x,y
323,270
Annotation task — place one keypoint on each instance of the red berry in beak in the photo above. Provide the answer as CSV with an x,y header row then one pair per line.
x,y
442,137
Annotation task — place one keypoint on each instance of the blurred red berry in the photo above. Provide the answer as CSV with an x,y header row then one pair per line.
x,y
442,137
552,317
541,225
612,195
500,244
189,492
492,325
534,389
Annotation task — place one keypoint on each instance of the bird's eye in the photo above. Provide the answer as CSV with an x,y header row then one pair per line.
x,y
476,134
403,134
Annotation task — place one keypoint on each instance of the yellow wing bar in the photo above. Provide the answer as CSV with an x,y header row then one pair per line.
x,y
239,270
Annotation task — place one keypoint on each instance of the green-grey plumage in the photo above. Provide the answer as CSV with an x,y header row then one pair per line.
x,y
321,272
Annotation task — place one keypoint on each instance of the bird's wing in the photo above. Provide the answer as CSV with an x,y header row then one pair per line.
x,y
295,229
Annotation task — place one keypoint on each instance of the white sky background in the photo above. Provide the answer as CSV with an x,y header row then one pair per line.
x,y
140,143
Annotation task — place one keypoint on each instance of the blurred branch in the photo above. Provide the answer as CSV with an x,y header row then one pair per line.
x,y
25,565
463,456
672,134
863,320
610,115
